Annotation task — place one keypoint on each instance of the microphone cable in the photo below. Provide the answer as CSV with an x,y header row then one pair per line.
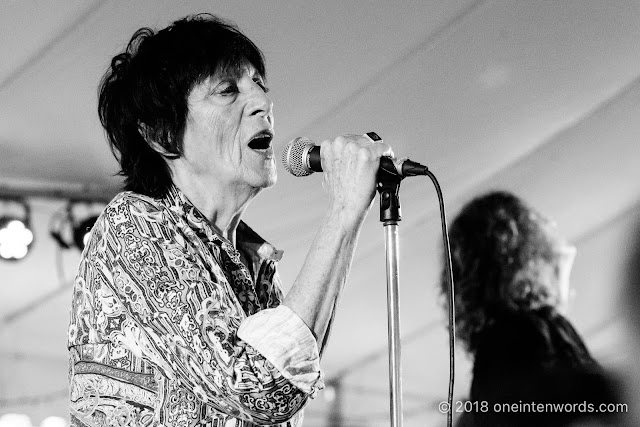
x,y
451,300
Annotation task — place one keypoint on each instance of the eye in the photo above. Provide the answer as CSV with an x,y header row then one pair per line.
x,y
260,83
226,88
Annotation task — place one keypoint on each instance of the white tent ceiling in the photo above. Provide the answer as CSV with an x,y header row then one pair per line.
x,y
541,98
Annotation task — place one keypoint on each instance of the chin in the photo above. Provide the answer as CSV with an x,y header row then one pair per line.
x,y
266,180
271,181
271,176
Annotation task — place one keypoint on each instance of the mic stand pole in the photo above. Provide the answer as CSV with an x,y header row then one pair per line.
x,y
389,187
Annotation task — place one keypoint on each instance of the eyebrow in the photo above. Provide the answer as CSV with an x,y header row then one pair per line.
x,y
236,70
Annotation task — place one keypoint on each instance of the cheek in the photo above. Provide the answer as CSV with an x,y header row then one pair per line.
x,y
223,132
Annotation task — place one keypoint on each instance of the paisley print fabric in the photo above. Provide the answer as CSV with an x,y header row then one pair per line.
x,y
157,304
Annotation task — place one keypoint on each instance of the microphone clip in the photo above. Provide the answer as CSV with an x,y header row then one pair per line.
x,y
389,178
389,188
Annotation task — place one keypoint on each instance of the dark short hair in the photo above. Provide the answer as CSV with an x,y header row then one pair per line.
x,y
504,256
143,95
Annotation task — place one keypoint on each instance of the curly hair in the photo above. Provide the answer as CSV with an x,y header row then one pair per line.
x,y
504,257
142,97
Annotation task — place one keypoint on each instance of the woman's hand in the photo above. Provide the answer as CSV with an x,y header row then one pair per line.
x,y
350,164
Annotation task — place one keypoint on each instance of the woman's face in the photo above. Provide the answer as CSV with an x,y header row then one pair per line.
x,y
227,138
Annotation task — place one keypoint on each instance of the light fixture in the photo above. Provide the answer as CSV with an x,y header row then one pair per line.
x,y
15,229
54,421
15,420
82,231
72,226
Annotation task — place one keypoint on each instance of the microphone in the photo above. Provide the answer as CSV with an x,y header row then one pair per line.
x,y
301,157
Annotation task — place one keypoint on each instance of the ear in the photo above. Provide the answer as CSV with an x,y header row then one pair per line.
x,y
148,135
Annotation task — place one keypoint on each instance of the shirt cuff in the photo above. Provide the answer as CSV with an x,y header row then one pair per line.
x,y
285,340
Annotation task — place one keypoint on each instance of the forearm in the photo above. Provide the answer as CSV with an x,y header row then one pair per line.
x,y
350,165
317,288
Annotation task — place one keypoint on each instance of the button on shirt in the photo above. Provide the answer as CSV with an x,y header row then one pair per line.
x,y
169,328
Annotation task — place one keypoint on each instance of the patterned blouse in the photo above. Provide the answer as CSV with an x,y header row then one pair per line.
x,y
169,328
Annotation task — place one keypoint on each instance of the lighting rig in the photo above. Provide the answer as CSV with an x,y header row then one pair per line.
x,y
69,227
15,229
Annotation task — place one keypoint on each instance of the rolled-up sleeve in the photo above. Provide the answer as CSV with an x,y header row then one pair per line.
x,y
285,340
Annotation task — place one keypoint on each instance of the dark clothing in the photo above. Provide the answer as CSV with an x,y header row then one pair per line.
x,y
533,369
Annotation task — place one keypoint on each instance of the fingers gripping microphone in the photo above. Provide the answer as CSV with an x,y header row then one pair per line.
x,y
301,157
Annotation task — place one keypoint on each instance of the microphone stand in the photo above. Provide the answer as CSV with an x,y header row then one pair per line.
x,y
389,186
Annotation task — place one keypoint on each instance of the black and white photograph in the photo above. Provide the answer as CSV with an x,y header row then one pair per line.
x,y
358,213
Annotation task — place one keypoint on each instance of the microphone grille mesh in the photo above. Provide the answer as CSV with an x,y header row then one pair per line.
x,y
293,156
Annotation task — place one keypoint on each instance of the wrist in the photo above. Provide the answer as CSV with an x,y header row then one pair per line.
x,y
346,217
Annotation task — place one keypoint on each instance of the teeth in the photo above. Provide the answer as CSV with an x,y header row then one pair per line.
x,y
261,141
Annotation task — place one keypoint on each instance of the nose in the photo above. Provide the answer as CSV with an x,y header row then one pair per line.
x,y
261,104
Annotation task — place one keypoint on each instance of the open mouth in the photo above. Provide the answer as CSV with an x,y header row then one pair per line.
x,y
261,141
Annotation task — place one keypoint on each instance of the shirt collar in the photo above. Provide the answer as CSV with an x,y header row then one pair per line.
x,y
246,238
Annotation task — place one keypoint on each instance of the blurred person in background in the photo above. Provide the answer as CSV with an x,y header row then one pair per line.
x,y
178,316
511,274
631,307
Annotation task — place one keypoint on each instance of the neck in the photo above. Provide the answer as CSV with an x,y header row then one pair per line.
x,y
223,205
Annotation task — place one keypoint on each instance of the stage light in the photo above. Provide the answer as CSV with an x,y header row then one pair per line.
x,y
72,226
15,234
54,421
329,393
82,231
15,420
